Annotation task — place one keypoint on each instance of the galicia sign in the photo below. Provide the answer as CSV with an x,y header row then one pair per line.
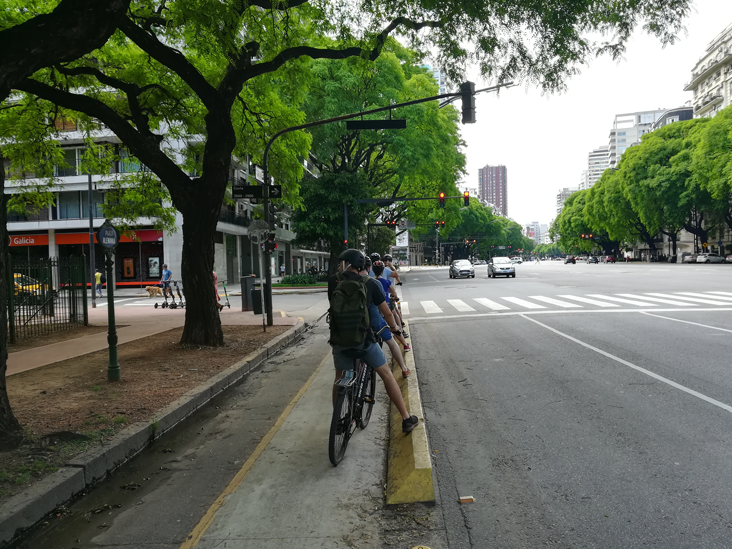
x,y
29,240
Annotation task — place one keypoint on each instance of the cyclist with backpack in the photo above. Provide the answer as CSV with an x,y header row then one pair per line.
x,y
350,295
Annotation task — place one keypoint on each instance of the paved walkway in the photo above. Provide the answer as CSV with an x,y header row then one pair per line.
x,y
136,325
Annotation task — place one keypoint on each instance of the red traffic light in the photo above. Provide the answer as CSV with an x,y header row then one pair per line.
x,y
583,236
441,198
466,198
442,223
590,236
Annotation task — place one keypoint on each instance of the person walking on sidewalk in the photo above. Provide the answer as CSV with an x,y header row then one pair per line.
x,y
216,291
350,294
98,282
282,270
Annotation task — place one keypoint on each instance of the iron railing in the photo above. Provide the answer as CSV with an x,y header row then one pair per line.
x,y
46,296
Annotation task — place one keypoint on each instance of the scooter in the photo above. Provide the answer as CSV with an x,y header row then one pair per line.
x,y
180,297
175,305
165,305
227,304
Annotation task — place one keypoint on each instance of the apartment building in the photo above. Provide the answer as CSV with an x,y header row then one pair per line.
x,y
711,77
598,161
674,115
62,229
493,188
563,195
627,130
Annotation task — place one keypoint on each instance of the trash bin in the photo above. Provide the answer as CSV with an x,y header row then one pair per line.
x,y
256,297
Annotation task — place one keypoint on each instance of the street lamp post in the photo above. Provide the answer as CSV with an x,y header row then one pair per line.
x,y
108,237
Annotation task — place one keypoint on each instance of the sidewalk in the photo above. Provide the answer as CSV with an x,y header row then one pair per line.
x,y
232,289
135,326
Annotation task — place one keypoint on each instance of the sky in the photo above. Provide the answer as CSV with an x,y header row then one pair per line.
x,y
544,140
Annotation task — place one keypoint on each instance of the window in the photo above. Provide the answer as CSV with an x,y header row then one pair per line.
x,y
127,163
70,158
621,140
621,133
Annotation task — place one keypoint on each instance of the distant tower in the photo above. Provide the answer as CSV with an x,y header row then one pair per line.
x,y
493,184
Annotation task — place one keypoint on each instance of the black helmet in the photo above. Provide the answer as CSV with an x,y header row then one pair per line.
x,y
375,257
387,257
367,264
354,257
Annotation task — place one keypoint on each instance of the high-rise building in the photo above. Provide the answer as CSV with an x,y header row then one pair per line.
x,y
627,130
711,77
584,181
439,77
563,195
597,162
493,185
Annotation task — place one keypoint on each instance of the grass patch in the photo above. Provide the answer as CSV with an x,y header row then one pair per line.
x,y
120,420
96,388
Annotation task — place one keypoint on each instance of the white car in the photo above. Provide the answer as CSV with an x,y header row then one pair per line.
x,y
710,258
517,260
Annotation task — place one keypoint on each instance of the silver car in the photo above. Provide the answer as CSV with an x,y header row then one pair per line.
x,y
501,266
461,267
710,258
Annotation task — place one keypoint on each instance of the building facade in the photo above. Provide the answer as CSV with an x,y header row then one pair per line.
x,y
627,130
598,161
562,196
674,115
711,77
493,188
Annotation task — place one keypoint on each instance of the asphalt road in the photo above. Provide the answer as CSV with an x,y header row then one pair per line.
x,y
581,405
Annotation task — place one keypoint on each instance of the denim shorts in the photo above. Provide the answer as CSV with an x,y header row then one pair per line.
x,y
374,357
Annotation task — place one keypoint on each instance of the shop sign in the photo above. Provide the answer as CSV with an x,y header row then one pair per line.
x,y
29,240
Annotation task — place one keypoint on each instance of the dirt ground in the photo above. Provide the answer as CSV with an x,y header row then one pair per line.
x,y
70,406
30,342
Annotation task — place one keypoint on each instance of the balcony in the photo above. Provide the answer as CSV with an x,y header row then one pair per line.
x,y
79,211
705,71
707,102
227,216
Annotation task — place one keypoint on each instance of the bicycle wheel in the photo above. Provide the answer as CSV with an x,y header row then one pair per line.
x,y
340,426
369,396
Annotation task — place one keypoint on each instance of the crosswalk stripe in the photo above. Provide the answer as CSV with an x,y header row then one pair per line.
x,y
553,301
590,301
721,293
491,304
621,300
460,305
692,294
694,299
523,303
658,300
405,308
430,307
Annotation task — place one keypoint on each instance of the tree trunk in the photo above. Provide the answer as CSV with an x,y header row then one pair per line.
x,y
202,324
11,434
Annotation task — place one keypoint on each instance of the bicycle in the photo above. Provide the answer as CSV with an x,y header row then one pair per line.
x,y
354,403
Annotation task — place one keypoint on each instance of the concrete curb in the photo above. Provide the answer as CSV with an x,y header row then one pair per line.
x,y
409,468
89,468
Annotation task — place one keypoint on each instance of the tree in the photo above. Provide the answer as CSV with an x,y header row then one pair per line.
x,y
28,42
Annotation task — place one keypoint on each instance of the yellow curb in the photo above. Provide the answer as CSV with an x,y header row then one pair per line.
x,y
409,475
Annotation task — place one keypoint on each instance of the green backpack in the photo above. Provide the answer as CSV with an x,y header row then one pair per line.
x,y
350,322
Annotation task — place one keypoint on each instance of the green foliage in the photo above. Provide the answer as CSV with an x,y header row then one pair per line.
x,y
381,239
299,280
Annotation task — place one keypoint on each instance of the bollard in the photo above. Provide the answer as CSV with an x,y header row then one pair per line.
x,y
247,284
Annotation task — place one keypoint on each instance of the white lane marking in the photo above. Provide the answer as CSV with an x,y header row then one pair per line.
x,y
430,307
553,301
490,304
433,278
405,308
666,301
621,300
692,392
721,293
590,301
524,303
460,305
692,294
688,322
694,299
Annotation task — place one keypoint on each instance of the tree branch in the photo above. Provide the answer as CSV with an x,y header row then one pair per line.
x,y
174,60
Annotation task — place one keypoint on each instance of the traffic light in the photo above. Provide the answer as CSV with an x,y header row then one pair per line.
x,y
442,223
466,198
467,92
441,198
582,236
437,224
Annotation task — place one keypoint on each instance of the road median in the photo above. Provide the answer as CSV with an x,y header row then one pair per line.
x,y
409,468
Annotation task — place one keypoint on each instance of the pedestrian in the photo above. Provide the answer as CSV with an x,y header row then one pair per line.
x,y
98,282
282,270
165,280
216,291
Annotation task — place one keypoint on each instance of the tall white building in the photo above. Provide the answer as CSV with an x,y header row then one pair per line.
x,y
627,130
584,182
711,77
563,195
597,162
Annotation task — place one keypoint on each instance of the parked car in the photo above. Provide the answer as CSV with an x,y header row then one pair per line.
x,y
710,258
461,267
691,258
592,259
570,259
608,259
501,266
728,259
25,285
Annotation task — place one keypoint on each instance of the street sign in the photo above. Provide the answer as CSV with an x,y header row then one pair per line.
x,y
275,191
704,244
247,191
407,224
719,243
108,236
501,247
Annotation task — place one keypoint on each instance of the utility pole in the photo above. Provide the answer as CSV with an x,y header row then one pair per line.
x,y
92,278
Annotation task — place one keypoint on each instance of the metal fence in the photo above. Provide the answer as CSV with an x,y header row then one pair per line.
x,y
46,296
